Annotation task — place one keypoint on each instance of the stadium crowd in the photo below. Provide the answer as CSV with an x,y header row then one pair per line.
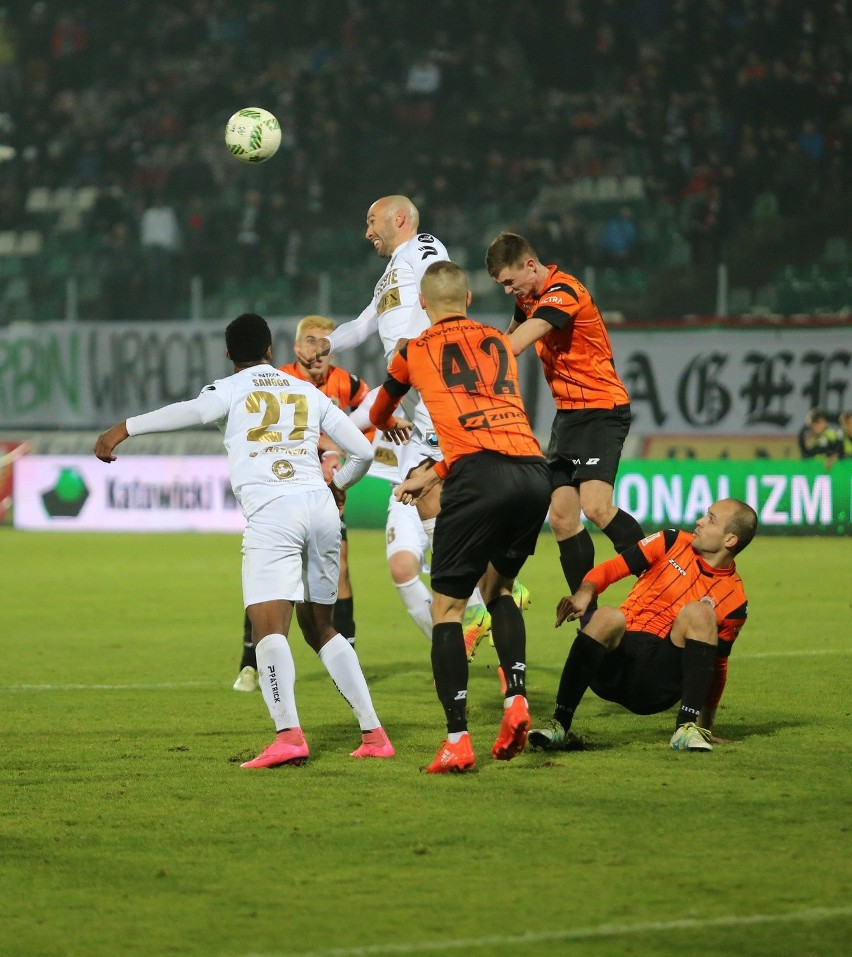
x,y
610,132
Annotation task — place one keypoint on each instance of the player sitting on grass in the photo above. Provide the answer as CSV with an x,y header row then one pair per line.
x,y
670,639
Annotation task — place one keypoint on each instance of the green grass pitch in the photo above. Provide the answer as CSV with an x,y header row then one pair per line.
x,y
128,828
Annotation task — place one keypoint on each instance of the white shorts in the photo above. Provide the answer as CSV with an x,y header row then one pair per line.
x,y
404,531
291,550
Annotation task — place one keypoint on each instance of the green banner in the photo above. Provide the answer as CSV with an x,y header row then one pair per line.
x,y
790,497
367,503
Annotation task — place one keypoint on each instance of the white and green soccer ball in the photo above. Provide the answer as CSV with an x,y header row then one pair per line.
x,y
253,135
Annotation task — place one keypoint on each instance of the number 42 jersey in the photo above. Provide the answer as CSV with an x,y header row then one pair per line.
x,y
468,377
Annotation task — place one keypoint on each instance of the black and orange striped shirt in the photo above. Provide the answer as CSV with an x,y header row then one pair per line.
x,y
577,352
673,574
467,376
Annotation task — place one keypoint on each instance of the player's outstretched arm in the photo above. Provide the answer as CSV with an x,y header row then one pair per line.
x,y
107,441
572,607
209,406
350,334
525,334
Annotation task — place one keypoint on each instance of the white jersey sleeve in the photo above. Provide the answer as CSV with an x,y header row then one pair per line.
x,y
360,416
353,333
209,406
395,311
359,453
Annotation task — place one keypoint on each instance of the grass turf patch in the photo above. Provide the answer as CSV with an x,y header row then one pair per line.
x,y
127,826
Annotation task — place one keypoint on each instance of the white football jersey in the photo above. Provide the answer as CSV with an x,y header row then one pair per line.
x,y
385,464
395,312
271,423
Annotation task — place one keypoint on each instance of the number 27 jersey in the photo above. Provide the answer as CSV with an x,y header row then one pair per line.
x,y
273,425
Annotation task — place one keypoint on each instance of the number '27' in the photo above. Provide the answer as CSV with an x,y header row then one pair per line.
x,y
270,405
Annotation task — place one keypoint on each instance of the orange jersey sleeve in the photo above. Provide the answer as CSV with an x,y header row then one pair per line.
x,y
577,353
381,413
467,376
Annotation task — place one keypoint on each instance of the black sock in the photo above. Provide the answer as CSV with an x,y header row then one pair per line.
x,y
577,558
249,659
344,618
699,661
580,668
449,666
510,642
623,531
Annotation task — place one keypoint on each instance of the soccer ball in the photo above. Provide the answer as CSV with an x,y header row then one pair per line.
x,y
253,135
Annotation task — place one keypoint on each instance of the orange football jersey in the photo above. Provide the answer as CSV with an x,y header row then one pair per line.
x,y
672,574
577,353
467,376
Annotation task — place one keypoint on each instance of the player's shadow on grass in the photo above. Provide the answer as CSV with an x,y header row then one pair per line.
x,y
607,725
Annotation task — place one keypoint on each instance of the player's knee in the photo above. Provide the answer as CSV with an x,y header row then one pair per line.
x,y
404,566
599,513
697,620
564,524
564,512
606,625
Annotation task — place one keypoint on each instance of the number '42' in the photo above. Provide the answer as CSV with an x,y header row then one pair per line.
x,y
457,372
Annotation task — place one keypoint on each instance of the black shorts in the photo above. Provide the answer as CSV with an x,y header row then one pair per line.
x,y
644,674
586,444
493,508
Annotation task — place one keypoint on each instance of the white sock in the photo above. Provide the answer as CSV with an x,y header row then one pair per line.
x,y
475,598
277,674
418,603
342,664
453,737
429,527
